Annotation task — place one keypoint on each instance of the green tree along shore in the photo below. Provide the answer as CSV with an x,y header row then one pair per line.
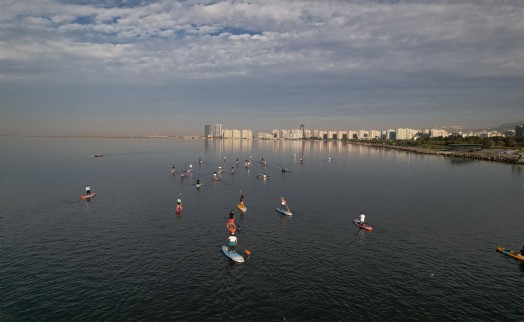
x,y
444,143
497,149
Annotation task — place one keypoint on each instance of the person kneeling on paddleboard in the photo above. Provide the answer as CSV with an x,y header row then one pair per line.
x,y
231,217
362,218
233,240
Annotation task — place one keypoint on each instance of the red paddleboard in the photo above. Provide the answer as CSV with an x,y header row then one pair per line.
x,y
179,209
92,194
363,226
231,227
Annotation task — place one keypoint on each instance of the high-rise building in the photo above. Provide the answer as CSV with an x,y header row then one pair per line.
x,y
208,131
218,131
519,131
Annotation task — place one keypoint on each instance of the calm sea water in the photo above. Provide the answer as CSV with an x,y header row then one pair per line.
x,y
125,255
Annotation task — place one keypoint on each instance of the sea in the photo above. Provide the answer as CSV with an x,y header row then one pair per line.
x,y
125,255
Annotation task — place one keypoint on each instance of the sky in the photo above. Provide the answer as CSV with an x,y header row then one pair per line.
x,y
130,67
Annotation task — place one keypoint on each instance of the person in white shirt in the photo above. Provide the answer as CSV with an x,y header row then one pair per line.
x,y
233,240
362,218
88,190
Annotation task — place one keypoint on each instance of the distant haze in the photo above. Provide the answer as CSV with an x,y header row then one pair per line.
x,y
115,67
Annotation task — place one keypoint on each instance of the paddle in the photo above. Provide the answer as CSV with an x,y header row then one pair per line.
x,y
244,249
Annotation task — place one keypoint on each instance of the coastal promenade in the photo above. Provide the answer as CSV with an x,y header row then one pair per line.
x,y
487,155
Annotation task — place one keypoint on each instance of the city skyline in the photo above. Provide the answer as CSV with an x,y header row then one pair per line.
x,y
163,67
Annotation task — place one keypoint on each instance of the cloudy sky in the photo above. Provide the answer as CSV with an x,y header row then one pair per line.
x,y
128,67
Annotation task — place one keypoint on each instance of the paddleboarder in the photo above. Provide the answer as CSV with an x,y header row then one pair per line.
x,y
233,240
522,251
88,190
362,218
231,217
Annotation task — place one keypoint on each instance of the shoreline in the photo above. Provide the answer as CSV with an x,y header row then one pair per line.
x,y
484,155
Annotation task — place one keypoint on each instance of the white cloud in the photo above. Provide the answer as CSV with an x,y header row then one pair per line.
x,y
339,44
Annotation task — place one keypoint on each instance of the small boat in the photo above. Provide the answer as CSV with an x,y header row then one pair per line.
x,y
232,255
510,253
363,226
91,195
284,211
98,155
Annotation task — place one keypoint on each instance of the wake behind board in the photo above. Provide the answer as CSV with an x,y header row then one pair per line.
x,y
234,256
363,226
91,195
284,211
510,253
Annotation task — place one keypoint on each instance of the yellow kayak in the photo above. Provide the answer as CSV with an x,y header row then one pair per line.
x,y
510,253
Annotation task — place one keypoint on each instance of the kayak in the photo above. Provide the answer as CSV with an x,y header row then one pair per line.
x,y
234,256
284,211
242,207
510,253
363,226
179,209
231,227
92,194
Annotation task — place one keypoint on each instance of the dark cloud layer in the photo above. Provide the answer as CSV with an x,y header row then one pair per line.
x,y
336,64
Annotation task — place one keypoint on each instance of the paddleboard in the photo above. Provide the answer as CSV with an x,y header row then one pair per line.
x,y
231,227
510,253
364,226
92,194
241,207
179,209
284,211
234,256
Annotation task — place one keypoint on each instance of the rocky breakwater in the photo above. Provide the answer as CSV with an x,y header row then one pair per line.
x,y
488,155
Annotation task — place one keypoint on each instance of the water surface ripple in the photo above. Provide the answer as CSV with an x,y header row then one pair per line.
x,y
126,255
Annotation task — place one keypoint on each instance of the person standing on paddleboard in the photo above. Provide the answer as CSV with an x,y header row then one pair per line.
x,y
522,251
88,190
362,218
233,240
